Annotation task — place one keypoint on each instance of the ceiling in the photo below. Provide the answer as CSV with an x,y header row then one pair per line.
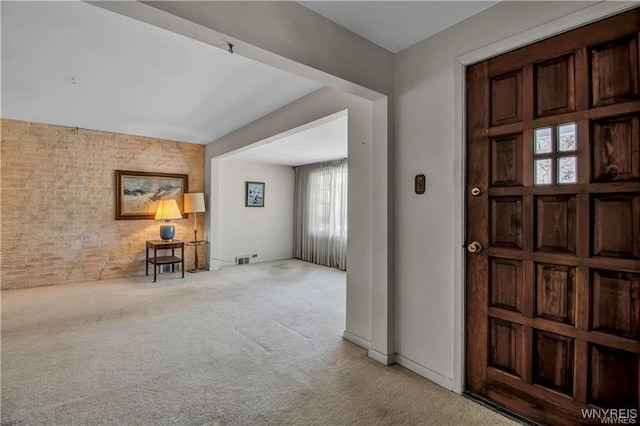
x,y
396,25
322,140
75,64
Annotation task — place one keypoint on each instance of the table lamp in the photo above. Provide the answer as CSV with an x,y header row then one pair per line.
x,y
167,210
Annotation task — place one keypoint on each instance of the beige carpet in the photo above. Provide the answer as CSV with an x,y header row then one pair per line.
x,y
249,345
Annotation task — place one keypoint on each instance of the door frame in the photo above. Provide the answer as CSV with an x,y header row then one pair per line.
x,y
577,19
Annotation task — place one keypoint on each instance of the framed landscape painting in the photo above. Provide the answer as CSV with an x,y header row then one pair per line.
x,y
255,194
138,193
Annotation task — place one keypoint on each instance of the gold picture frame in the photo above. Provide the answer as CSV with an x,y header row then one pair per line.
x,y
138,193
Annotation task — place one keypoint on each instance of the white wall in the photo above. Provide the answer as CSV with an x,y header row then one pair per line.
x,y
266,231
429,257
312,107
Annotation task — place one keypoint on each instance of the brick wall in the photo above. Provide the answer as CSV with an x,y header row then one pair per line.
x,y
58,202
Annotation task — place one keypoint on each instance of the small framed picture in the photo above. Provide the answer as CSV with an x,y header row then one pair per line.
x,y
255,194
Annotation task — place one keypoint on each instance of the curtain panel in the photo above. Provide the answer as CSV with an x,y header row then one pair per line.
x,y
320,213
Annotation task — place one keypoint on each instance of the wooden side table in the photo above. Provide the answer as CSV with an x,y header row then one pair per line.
x,y
156,260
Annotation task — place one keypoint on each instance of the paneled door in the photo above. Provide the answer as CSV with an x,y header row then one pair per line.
x,y
553,225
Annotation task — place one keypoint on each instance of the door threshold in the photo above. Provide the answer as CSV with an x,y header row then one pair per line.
x,y
501,410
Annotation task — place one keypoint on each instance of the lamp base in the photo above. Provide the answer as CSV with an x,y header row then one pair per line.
x,y
167,232
197,270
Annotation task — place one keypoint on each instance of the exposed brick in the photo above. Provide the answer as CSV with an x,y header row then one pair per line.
x,y
58,202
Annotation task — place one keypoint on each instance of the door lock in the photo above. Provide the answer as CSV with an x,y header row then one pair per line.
x,y
474,247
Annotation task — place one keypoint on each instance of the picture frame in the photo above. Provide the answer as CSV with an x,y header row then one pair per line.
x,y
138,193
254,195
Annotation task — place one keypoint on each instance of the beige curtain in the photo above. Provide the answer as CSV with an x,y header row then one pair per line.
x,y
320,213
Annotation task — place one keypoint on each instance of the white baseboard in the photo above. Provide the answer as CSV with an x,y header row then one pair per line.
x,y
222,264
363,343
425,372
382,358
275,259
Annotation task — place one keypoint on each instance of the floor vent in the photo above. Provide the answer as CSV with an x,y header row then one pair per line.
x,y
242,260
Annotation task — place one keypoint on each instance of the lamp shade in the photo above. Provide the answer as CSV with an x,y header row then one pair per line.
x,y
167,210
194,202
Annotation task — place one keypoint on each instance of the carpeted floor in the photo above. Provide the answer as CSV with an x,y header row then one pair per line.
x,y
249,345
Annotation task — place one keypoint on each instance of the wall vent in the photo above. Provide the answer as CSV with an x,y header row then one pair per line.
x,y
242,260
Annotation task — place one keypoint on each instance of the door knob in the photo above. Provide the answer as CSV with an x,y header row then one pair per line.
x,y
474,247
476,191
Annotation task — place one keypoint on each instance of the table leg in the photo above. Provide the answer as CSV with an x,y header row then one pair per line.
x,y
146,263
155,264
182,260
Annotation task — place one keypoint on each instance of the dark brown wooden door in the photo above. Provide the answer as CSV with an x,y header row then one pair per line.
x,y
553,201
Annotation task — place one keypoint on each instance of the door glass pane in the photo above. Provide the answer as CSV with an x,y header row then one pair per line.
x,y
567,170
543,140
543,171
567,137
